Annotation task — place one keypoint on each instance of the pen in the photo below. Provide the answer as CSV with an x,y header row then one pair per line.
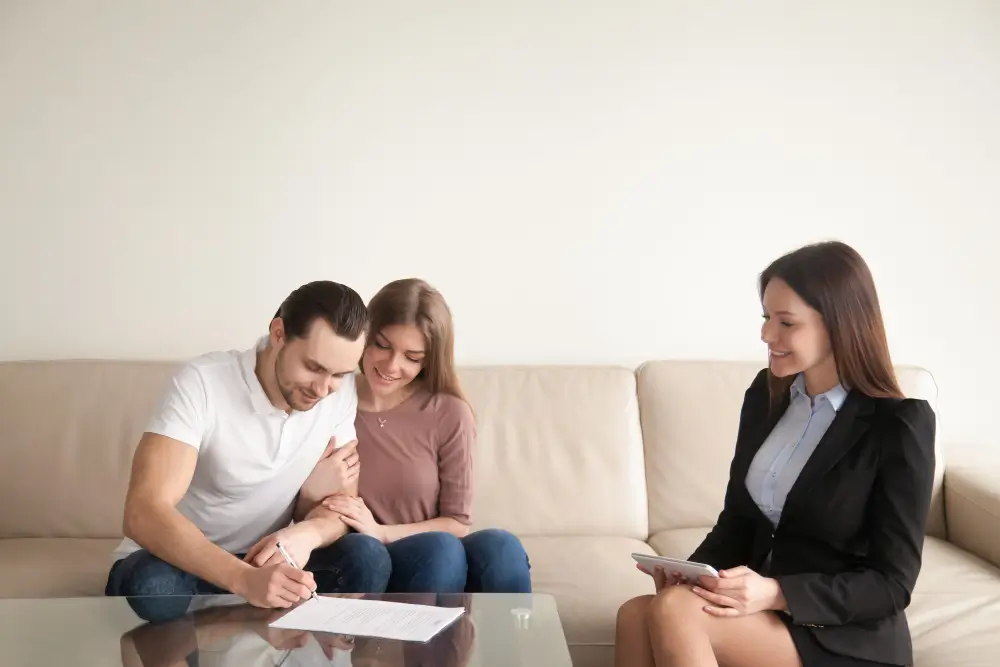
x,y
288,559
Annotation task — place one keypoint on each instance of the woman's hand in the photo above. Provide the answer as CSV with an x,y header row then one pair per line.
x,y
356,514
740,592
663,579
336,470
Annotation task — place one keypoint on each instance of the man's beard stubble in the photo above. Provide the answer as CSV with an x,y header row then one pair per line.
x,y
287,393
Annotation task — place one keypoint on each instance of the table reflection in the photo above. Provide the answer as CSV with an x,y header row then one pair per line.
x,y
223,631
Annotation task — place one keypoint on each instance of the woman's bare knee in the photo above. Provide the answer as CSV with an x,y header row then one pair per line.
x,y
676,606
632,647
634,611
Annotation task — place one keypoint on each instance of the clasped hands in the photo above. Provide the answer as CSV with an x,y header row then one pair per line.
x,y
355,513
338,469
738,591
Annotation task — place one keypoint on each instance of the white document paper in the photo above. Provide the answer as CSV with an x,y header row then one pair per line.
x,y
370,618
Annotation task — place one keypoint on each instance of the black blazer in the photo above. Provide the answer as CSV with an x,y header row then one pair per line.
x,y
847,549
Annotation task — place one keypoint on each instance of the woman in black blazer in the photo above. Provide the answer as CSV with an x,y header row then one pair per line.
x,y
820,537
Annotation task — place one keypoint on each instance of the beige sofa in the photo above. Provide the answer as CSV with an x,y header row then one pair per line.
x,y
585,464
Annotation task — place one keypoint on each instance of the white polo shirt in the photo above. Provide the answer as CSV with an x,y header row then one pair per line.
x,y
252,457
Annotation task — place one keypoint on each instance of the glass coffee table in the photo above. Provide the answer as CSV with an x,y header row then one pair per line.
x,y
516,630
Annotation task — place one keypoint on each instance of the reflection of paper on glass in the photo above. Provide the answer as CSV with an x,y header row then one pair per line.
x,y
370,618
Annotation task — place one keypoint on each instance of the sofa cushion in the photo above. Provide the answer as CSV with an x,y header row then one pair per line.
x,y
559,451
677,543
69,431
590,577
952,629
54,567
690,415
948,569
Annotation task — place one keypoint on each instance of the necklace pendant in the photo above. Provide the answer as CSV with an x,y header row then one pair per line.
x,y
381,422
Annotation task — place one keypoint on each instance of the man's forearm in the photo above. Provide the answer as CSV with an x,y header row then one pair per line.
x,y
303,506
170,536
309,505
328,525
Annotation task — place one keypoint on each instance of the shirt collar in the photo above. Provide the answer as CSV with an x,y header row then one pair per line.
x,y
248,362
835,397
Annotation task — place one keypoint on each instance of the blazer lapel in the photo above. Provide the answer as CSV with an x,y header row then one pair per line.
x,y
844,432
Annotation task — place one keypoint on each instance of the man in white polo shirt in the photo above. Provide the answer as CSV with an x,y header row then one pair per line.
x,y
216,477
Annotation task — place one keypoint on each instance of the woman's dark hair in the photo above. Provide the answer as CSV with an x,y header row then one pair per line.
x,y
833,279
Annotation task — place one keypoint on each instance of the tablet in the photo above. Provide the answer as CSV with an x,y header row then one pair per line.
x,y
685,568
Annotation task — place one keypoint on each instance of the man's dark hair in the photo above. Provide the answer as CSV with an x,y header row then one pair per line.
x,y
340,306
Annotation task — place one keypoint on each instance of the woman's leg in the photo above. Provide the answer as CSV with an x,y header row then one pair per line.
x,y
355,563
497,563
683,634
632,647
427,563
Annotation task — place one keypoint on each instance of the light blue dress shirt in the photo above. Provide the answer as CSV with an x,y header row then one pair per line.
x,y
784,453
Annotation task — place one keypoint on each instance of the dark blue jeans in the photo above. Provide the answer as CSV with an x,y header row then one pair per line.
x,y
158,591
486,561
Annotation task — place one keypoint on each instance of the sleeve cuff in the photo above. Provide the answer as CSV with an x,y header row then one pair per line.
x,y
460,516
175,432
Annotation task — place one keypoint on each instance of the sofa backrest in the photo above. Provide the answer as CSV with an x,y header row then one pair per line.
x,y
561,450
67,433
690,413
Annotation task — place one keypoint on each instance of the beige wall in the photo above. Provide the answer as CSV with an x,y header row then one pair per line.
x,y
169,170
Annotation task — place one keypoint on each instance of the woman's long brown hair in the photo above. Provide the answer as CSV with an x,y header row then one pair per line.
x,y
833,279
413,301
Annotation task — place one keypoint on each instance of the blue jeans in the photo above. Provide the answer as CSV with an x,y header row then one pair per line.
x,y
158,591
486,561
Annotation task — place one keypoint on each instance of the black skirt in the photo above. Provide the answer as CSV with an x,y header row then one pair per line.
x,y
814,654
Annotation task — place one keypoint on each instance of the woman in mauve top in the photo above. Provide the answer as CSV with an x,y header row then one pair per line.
x,y
416,431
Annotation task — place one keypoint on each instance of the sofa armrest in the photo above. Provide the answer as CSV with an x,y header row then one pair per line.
x,y
972,510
